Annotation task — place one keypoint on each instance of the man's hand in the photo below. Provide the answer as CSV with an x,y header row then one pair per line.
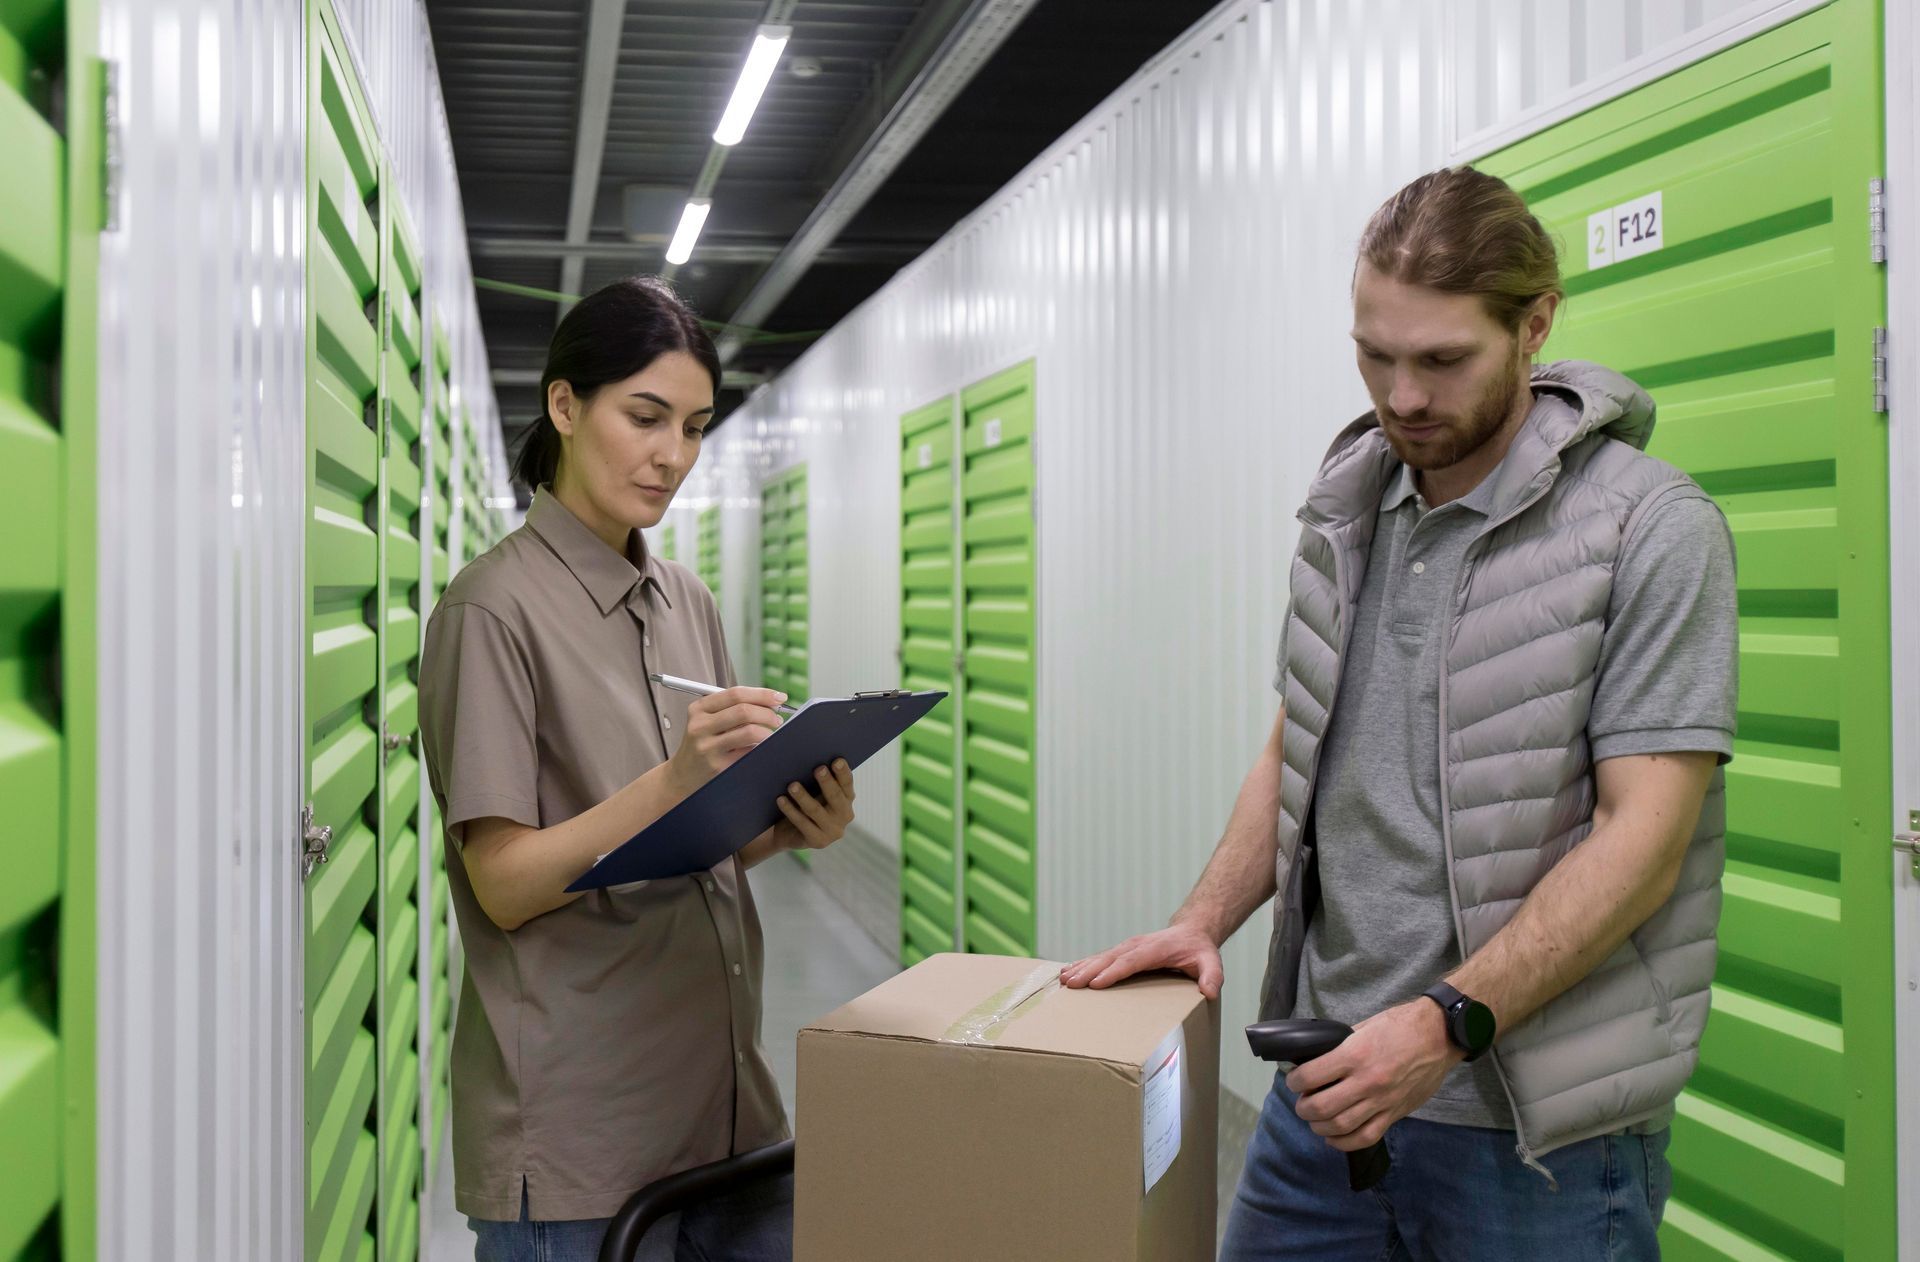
x,y
1389,1066
1181,947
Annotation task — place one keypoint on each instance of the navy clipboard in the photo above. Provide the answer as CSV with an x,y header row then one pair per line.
x,y
741,802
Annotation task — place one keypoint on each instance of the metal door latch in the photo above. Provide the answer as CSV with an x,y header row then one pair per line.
x,y
316,839
1910,842
393,740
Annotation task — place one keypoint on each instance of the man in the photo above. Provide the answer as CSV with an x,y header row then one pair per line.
x,y
1491,805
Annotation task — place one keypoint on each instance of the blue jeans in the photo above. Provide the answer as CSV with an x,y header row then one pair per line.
x,y
753,1225
1455,1192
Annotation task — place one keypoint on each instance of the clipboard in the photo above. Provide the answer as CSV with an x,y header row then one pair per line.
x,y
740,803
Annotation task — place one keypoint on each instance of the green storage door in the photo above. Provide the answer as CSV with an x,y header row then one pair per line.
x,y
707,564
343,689
436,1037
1752,325
997,607
929,646
784,663
669,545
399,914
45,1113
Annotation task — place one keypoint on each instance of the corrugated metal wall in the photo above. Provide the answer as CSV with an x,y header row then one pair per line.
x,y
1177,265
201,466
202,526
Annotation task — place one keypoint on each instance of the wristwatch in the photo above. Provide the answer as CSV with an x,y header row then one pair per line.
x,y
1470,1025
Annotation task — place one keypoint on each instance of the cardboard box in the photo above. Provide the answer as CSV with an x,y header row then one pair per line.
x,y
973,1108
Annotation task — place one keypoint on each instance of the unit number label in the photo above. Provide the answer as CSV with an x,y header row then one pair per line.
x,y
1625,231
993,432
926,455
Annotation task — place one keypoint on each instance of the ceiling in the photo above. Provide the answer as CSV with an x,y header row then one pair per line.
x,y
520,78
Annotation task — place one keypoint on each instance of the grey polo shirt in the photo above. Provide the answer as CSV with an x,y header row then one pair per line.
x,y
1384,930
615,1039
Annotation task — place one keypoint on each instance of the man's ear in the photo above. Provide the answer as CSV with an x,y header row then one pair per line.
x,y
1537,325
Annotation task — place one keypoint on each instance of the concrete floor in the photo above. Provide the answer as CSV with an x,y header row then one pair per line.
x,y
817,959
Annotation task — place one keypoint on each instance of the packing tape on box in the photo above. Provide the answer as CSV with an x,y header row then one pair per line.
x,y
988,1019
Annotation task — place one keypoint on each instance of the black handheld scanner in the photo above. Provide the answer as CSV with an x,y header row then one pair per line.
x,y
1296,1043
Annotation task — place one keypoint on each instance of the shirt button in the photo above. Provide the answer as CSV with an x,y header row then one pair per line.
x,y
1419,567
736,970
709,887
739,1058
666,722
647,640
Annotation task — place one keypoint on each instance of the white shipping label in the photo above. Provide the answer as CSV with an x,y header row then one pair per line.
x,y
993,432
1160,1123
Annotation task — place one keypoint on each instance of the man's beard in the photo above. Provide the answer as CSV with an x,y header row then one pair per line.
x,y
1456,441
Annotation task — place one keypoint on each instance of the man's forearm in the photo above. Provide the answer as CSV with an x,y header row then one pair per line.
x,y
1239,877
1605,888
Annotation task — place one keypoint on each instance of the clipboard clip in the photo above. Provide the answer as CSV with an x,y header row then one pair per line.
x,y
877,693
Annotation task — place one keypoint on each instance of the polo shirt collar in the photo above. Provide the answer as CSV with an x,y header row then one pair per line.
x,y
608,576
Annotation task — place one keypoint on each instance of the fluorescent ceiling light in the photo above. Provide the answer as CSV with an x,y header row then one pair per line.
x,y
767,46
692,219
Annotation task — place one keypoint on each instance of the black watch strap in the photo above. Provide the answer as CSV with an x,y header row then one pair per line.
x,y
1461,1017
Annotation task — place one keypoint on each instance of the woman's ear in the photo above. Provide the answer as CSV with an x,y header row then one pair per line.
x,y
560,403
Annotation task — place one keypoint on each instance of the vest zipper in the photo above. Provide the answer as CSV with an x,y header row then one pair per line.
x,y
1520,1147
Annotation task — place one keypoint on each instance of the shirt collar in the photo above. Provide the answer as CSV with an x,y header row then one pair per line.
x,y
1402,486
609,577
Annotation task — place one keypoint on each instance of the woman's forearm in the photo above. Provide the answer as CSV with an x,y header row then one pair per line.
x,y
520,872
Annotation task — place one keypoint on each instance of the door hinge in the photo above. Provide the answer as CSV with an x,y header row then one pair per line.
x,y
314,842
112,157
1877,220
1880,369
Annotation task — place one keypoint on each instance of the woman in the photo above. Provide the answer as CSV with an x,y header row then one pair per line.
x,y
610,1038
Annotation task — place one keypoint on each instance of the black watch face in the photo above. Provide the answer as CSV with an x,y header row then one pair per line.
x,y
1476,1023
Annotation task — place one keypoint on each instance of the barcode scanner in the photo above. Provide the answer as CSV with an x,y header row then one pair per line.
x,y
1296,1042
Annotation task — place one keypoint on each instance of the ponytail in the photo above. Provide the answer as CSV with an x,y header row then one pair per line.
x,y
538,459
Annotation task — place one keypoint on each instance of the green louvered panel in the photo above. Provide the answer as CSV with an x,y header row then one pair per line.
x,y
669,544
997,634
345,699
929,871
1752,326
707,563
33,738
406,386
783,583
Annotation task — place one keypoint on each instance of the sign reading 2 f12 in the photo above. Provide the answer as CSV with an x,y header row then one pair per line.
x,y
1625,231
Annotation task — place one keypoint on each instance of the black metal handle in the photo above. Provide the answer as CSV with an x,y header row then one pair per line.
x,y
1296,1043
690,1187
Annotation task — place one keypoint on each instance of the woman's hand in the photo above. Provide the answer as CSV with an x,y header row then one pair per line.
x,y
815,820
720,730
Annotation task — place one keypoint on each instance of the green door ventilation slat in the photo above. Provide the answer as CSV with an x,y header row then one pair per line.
x,y
1752,327
36,743
929,647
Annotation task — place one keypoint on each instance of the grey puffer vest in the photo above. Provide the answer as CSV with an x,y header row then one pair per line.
x,y
1516,777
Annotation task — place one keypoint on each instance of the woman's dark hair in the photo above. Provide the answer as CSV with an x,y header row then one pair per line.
x,y
610,335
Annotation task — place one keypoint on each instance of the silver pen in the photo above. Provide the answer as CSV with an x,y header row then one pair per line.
x,y
699,689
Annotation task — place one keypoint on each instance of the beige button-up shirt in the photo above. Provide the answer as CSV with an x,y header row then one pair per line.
x,y
617,1039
